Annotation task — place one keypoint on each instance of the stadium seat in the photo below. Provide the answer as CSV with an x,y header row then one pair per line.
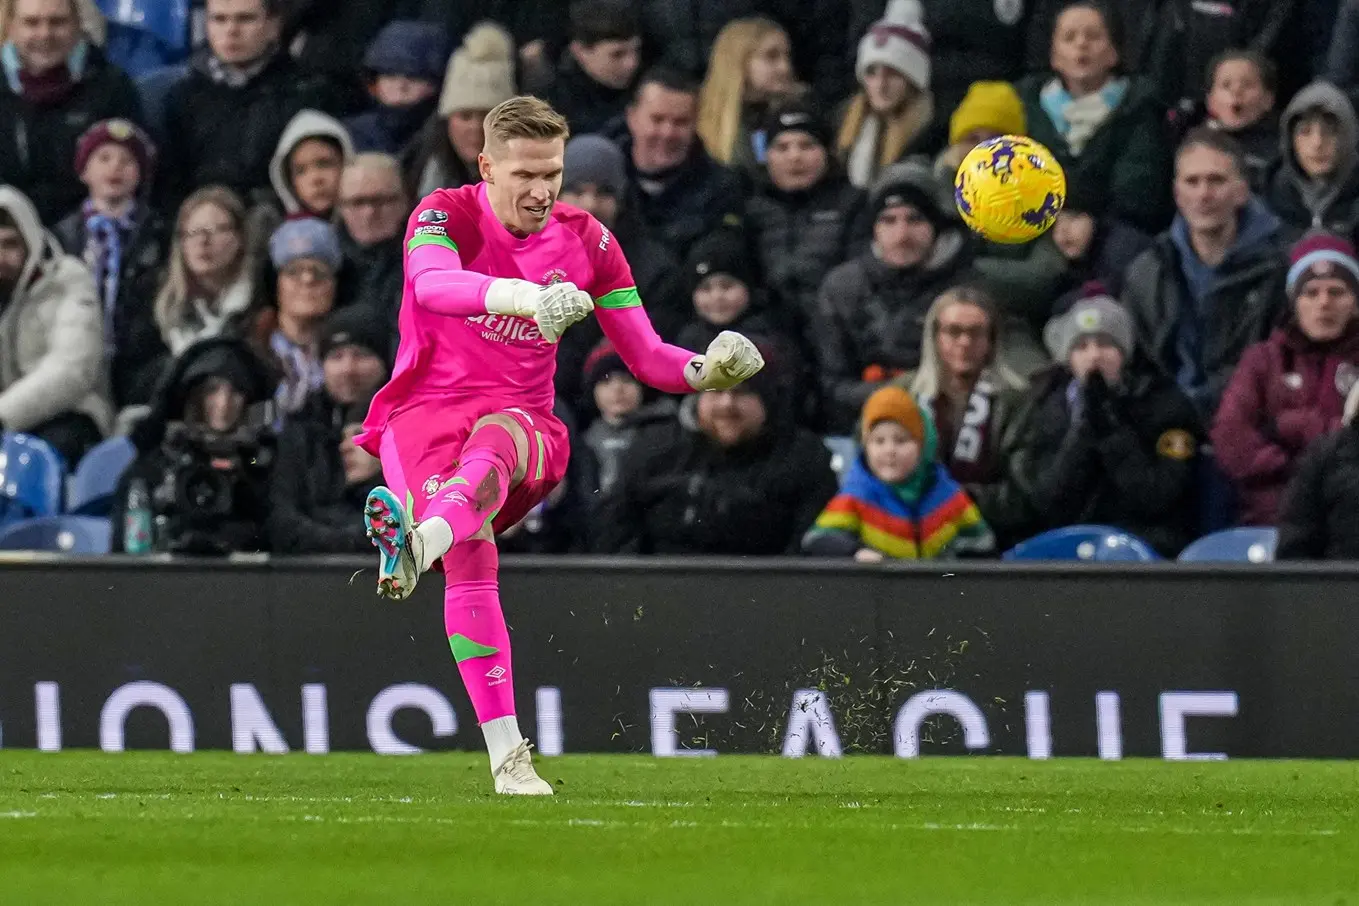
x,y
1092,543
31,478
1251,544
96,477
58,534
843,450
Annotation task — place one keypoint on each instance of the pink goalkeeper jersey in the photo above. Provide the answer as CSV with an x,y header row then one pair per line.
x,y
498,357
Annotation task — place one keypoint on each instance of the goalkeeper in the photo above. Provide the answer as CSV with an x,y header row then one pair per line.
x,y
495,272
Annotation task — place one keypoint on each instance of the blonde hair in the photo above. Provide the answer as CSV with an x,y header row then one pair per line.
x,y
925,384
90,19
899,129
173,298
722,97
524,117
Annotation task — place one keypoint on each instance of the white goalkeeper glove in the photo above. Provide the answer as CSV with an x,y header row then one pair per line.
x,y
730,359
553,308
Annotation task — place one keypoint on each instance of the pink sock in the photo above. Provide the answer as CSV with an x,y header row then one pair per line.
x,y
476,628
479,485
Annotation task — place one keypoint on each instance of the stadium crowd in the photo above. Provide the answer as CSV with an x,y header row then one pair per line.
x,y
204,205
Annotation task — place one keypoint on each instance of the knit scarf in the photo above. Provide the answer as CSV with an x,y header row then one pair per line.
x,y
105,236
862,163
236,76
971,440
1078,119
49,88
302,373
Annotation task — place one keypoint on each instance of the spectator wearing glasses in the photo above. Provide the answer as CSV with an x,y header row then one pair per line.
x,y
210,284
373,208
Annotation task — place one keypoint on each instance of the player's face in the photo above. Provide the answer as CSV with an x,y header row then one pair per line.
x,y
523,179
963,339
1325,308
1096,352
892,453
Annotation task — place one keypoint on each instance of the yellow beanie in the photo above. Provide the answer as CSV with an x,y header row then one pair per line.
x,y
893,404
987,105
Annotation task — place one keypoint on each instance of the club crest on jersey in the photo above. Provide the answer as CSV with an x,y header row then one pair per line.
x,y
431,486
554,276
432,216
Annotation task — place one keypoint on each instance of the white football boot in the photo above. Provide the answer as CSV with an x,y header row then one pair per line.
x,y
516,776
400,547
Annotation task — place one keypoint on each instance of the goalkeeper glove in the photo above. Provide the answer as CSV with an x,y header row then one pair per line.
x,y
553,308
730,359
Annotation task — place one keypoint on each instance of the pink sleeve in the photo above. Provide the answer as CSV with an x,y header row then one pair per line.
x,y
441,285
619,310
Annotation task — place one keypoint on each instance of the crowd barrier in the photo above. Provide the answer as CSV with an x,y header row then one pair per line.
x,y
692,657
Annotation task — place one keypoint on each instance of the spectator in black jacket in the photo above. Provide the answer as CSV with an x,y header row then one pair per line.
x,y
125,244
320,478
1214,282
1319,519
373,207
1102,441
731,476
56,85
1317,183
1241,93
681,193
595,76
1092,248
224,120
404,64
805,218
871,310
595,179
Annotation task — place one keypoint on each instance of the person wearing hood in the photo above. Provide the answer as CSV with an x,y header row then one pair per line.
x,y
203,455
1105,129
52,344
732,476
1316,186
56,84
404,65
320,478
805,217
1101,439
595,179
373,208
1212,284
968,388
305,170
897,501
479,75
594,79
1319,516
1291,389
679,191
124,243
871,309
223,121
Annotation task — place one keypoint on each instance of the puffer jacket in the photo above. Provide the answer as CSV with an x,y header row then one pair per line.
x,y
51,332
1286,393
307,124
1301,203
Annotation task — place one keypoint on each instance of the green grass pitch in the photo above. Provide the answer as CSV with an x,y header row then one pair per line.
x,y
151,828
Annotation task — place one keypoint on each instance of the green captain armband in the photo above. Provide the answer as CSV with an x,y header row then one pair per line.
x,y
620,298
420,239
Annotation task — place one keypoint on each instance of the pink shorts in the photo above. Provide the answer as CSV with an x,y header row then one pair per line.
x,y
422,440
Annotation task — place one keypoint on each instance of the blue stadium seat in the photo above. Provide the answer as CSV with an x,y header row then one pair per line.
x,y
96,477
1250,544
58,534
144,35
31,478
1091,543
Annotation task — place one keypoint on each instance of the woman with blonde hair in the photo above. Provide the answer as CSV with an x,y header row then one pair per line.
x,y
210,282
884,121
750,69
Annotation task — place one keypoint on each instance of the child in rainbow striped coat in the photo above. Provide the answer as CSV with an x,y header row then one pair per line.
x,y
897,501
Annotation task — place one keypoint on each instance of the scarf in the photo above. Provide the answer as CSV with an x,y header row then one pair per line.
x,y
940,519
236,76
205,317
49,88
302,373
970,458
105,239
862,163
1078,119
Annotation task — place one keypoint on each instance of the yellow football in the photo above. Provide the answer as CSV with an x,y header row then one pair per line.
x,y
1010,189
